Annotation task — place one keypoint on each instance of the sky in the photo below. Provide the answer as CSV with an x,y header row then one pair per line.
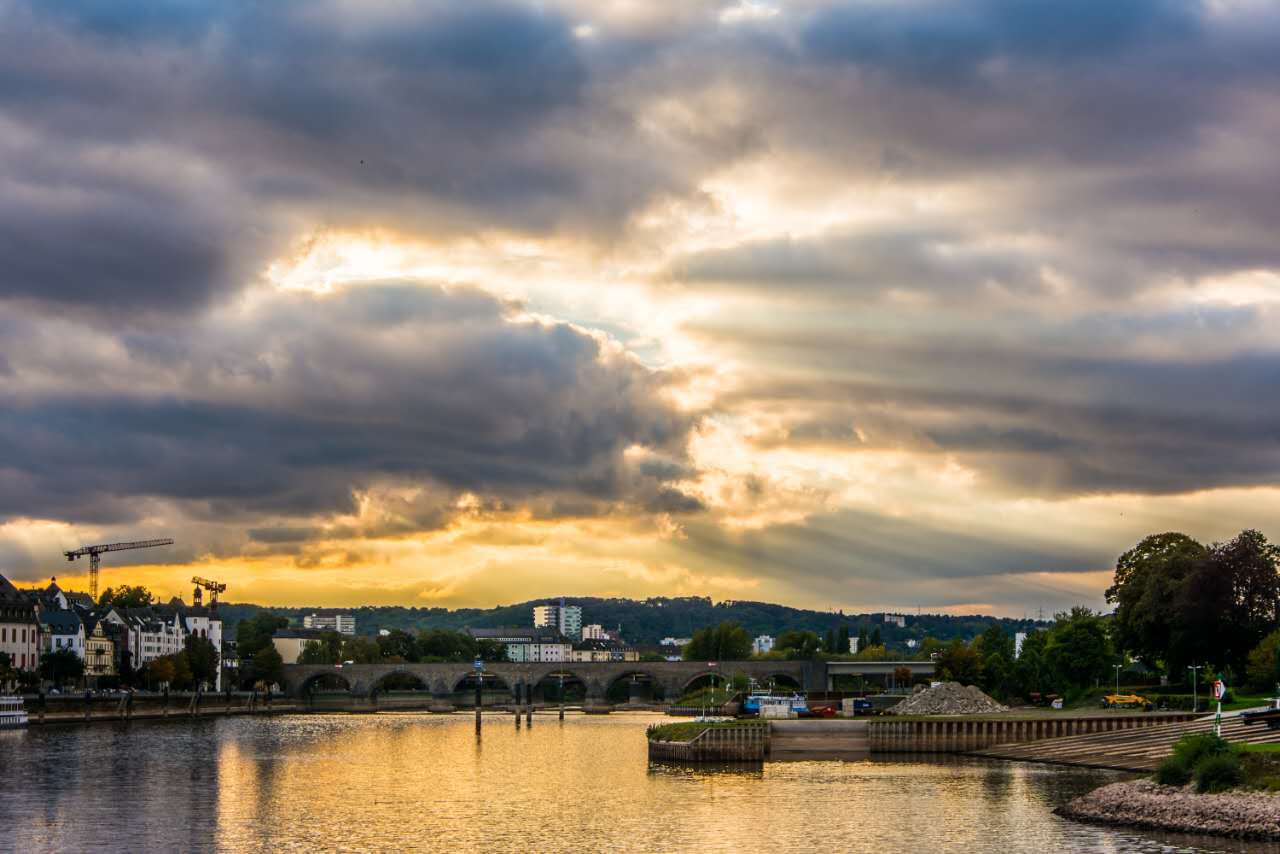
x,y
864,305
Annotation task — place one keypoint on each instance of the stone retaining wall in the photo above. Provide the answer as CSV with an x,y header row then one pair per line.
x,y
746,743
961,735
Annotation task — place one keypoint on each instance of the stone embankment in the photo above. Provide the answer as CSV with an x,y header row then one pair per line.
x,y
1147,805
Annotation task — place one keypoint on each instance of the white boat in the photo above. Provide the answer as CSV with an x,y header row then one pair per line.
x,y
13,715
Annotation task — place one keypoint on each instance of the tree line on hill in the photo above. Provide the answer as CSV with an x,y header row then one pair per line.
x,y
646,622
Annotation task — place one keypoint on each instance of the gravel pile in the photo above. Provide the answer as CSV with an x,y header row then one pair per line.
x,y
1147,805
949,698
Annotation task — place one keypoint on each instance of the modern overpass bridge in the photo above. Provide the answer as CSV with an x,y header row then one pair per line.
x,y
875,668
669,679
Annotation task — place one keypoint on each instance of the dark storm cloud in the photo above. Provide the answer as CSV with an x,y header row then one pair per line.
x,y
287,412
866,558
158,157
1031,420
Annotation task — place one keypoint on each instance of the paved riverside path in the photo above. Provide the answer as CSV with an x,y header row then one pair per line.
x,y
1129,749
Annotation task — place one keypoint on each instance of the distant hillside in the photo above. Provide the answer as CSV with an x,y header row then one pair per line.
x,y
648,621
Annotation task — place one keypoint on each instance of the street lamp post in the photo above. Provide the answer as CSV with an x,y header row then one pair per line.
x,y
1117,667
1195,703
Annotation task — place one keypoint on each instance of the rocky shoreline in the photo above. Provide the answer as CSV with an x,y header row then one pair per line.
x,y
1147,805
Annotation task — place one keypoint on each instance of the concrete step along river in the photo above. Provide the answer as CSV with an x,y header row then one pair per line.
x,y
1128,750
818,739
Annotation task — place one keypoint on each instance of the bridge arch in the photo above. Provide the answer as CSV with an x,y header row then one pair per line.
x,y
547,684
617,688
784,680
400,679
321,681
705,678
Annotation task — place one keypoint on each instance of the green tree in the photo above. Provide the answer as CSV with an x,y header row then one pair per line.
x,y
61,666
202,659
842,641
802,645
398,645
361,650
1079,650
1263,670
126,596
829,642
160,671
268,666
1032,672
875,639
959,662
928,648
446,645
873,652
182,677
1148,591
327,649
254,633
1230,603
996,649
726,642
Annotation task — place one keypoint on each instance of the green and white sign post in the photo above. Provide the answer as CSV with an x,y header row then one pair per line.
x,y
1219,691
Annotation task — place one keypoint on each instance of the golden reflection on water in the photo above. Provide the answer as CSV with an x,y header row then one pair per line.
x,y
416,782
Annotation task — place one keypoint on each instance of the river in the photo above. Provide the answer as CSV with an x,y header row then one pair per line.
x,y
416,782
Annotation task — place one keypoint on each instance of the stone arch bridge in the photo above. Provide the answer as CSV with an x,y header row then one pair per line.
x,y
446,679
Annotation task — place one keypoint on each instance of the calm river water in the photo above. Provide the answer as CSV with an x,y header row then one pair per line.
x,y
407,782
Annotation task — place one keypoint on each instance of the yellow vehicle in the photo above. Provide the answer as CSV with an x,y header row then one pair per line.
x,y
1125,701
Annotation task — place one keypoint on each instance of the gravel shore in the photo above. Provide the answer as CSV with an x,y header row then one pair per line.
x,y
1148,805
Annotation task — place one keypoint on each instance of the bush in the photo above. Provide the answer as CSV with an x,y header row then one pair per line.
x,y
1218,772
1173,771
1191,749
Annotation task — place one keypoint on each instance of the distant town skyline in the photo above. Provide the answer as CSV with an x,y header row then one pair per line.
x,y
833,304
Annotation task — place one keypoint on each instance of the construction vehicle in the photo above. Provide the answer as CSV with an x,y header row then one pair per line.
x,y
94,551
1126,701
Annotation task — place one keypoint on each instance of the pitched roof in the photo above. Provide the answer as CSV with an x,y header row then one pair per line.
x,y
61,622
11,596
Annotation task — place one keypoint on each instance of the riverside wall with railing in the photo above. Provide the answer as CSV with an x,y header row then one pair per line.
x,y
746,742
961,735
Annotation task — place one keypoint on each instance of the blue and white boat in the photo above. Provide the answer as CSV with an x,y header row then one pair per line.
x,y
794,702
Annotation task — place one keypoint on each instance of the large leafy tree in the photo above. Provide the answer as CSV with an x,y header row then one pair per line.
x,y
268,666
126,596
254,633
398,645
996,650
61,666
1079,650
1263,669
798,644
726,642
202,659
1031,670
1149,594
1230,603
325,650
959,662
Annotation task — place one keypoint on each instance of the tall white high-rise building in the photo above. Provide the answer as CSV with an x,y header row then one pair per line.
x,y
566,619
1018,638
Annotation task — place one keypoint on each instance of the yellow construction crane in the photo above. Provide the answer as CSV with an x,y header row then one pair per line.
x,y
94,551
203,584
